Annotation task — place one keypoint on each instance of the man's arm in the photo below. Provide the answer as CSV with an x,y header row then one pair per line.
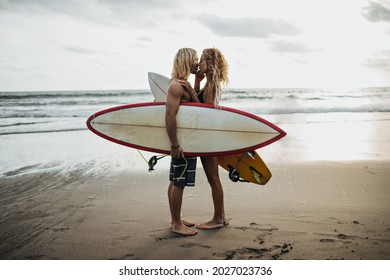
x,y
174,96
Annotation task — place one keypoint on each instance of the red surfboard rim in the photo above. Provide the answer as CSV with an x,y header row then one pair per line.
x,y
281,134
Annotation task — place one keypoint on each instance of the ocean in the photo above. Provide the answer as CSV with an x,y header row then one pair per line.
x,y
44,112
25,116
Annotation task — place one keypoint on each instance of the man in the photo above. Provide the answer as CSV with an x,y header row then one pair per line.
x,y
182,171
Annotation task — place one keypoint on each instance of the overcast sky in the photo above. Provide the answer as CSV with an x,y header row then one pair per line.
x,y
103,44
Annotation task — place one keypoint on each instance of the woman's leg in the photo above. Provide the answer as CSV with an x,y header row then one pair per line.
x,y
210,166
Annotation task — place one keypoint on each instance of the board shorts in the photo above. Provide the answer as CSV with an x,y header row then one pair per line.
x,y
182,172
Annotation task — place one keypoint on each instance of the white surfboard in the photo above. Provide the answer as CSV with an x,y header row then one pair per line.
x,y
159,85
202,130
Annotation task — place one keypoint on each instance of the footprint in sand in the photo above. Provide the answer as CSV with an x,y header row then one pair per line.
x,y
249,253
62,229
327,240
192,245
167,237
258,227
128,257
340,237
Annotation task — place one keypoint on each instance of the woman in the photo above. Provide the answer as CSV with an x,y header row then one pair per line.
x,y
214,67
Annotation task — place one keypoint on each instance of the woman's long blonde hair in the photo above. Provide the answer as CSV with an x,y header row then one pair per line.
x,y
184,59
218,70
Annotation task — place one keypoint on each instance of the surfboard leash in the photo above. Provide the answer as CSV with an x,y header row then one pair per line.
x,y
152,161
184,170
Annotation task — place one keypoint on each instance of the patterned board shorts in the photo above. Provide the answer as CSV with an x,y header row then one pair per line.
x,y
182,171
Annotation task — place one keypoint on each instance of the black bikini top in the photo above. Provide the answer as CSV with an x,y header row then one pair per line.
x,y
201,95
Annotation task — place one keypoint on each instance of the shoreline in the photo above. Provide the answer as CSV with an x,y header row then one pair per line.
x,y
317,137
73,195
308,210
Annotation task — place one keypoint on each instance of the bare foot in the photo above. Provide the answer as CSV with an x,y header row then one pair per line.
x,y
212,225
188,224
183,230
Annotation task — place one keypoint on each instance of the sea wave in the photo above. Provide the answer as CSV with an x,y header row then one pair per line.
x,y
45,112
282,111
69,94
42,131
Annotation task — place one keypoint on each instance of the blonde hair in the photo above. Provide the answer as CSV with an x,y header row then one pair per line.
x,y
218,70
185,58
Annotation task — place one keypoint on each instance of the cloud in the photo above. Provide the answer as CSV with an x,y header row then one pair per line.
x,y
79,50
144,39
289,47
376,12
74,6
114,12
248,27
41,6
381,60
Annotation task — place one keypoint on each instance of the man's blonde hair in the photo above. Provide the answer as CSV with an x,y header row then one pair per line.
x,y
185,59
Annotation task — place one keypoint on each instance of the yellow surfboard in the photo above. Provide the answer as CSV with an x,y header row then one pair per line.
x,y
246,166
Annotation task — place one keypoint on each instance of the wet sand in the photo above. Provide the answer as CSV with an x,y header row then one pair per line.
x,y
309,210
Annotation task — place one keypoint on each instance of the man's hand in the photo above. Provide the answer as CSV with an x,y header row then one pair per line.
x,y
177,152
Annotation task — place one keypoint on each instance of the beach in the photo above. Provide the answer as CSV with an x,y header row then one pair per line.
x,y
111,207
330,215
68,194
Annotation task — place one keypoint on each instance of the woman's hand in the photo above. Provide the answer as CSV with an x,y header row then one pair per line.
x,y
187,86
199,76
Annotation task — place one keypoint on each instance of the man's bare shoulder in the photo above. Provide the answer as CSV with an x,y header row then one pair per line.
x,y
175,89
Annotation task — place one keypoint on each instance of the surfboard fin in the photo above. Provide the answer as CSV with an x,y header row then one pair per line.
x,y
256,174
